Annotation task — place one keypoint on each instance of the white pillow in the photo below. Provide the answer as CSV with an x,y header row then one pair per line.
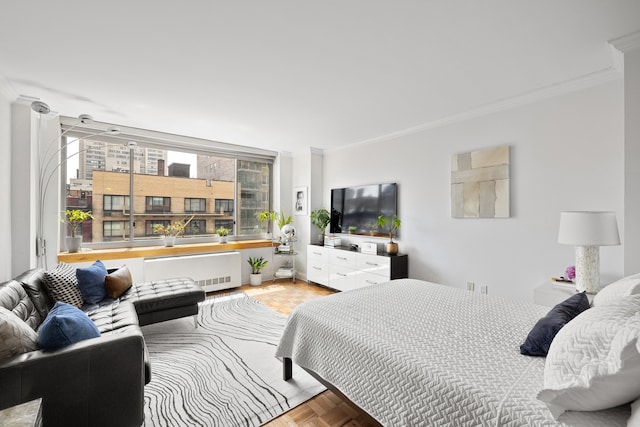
x,y
594,361
624,287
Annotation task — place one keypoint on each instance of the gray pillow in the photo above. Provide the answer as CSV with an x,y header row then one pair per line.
x,y
16,337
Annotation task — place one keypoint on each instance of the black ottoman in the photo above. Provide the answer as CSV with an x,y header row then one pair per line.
x,y
165,299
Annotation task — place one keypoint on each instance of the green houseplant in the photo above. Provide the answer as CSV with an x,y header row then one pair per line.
x,y
171,230
223,234
267,217
75,218
257,264
282,219
321,218
391,226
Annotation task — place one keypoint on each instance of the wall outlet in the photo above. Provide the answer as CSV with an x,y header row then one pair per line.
x,y
471,286
484,289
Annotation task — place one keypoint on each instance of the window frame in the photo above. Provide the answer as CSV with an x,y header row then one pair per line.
x,y
146,138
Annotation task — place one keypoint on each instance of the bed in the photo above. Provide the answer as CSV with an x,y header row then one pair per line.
x,y
415,353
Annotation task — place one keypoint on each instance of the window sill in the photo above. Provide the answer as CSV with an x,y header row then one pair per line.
x,y
90,255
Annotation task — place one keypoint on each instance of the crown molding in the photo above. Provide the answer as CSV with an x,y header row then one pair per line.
x,y
627,43
545,92
316,150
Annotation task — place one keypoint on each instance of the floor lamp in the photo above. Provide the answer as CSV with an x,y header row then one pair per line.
x,y
587,231
46,172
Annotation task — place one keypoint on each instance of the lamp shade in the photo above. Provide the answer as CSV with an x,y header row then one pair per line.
x,y
583,228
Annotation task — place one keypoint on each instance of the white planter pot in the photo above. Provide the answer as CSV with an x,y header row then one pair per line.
x,y
223,239
169,241
73,244
255,279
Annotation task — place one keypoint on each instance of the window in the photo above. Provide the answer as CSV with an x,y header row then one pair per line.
x,y
115,203
148,226
224,206
114,230
160,179
195,205
196,227
157,204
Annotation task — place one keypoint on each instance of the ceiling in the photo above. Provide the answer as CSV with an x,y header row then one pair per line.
x,y
287,75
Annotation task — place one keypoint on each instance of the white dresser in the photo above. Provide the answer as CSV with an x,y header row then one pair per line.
x,y
342,269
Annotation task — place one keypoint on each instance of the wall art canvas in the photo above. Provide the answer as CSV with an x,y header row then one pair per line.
x,y
300,194
480,183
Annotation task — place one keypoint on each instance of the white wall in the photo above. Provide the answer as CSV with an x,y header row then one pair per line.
x,y
5,183
632,159
567,154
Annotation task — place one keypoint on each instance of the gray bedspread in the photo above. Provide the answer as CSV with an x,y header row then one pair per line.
x,y
415,353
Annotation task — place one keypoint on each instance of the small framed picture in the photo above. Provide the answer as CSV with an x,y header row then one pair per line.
x,y
300,198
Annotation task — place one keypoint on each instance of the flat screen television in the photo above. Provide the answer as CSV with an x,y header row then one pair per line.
x,y
356,209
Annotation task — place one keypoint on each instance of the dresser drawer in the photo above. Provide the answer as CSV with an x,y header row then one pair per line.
x,y
379,265
317,253
368,279
318,273
342,279
342,258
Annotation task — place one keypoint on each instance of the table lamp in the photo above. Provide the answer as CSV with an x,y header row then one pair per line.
x,y
587,231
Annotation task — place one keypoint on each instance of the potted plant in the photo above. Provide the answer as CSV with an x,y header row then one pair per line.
x,y
268,217
223,234
391,225
321,218
257,264
282,219
171,231
75,217
352,229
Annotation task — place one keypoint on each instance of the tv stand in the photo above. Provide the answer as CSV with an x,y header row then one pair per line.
x,y
343,269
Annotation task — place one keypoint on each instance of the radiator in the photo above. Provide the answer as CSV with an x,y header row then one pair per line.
x,y
212,271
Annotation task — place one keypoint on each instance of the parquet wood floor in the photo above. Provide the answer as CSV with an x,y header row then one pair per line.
x,y
325,409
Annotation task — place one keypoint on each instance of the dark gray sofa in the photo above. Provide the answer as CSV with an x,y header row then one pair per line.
x,y
96,382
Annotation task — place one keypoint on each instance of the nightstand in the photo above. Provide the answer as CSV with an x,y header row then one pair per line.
x,y
550,293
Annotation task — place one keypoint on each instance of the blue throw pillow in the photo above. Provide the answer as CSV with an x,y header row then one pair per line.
x,y
539,339
91,282
65,325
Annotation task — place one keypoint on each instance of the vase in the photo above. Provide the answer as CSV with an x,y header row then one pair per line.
x,y
169,241
392,248
255,279
223,239
73,244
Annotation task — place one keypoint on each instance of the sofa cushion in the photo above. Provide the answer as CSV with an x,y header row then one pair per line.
x,y
118,282
33,283
14,298
62,285
65,325
91,282
113,316
16,337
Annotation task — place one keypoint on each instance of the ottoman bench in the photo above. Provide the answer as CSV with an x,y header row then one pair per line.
x,y
166,299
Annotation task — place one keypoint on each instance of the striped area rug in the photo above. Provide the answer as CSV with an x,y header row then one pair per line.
x,y
224,373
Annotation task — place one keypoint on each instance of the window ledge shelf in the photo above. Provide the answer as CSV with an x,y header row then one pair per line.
x,y
89,255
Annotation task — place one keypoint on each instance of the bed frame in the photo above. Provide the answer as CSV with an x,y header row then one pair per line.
x,y
287,374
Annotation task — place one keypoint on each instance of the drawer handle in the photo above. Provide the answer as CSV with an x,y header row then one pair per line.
x,y
317,268
371,282
372,263
317,253
341,258
341,274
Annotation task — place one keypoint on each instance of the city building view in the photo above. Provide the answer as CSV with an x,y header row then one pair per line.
x,y
226,193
